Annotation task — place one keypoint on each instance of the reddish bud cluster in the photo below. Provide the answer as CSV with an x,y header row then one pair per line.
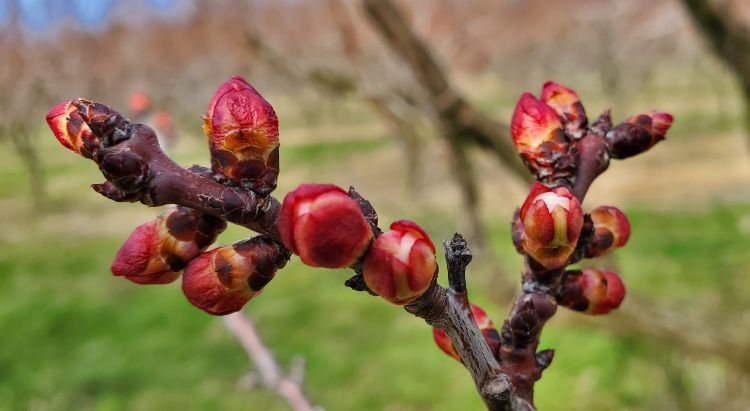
x,y
223,280
483,323
69,128
243,134
324,226
638,134
401,263
551,221
611,231
157,251
591,291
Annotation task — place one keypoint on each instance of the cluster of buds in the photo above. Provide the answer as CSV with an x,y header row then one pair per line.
x,y
591,291
157,251
243,134
551,221
483,322
549,133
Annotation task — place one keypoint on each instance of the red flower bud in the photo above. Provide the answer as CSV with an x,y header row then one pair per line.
x,y
592,291
638,134
537,134
324,226
485,326
223,280
401,263
552,222
243,134
568,106
158,250
68,126
611,230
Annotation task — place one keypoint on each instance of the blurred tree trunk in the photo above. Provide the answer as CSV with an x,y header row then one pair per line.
x,y
457,119
730,40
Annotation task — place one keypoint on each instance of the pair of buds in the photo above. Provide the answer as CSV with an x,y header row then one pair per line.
x,y
326,228
550,223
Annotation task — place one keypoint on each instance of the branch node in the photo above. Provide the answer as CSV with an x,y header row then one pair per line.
x,y
457,256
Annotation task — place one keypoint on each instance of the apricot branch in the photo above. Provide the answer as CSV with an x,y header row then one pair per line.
x,y
332,228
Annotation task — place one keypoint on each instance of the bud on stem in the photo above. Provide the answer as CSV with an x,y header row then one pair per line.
x,y
324,226
401,263
552,222
157,251
221,281
591,291
243,134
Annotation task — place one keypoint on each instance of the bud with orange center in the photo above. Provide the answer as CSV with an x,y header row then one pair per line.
x,y
324,226
552,220
485,326
638,134
157,251
71,130
568,106
591,291
611,231
243,135
401,263
221,281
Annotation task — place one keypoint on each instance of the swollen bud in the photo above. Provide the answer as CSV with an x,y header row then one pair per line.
x,y
568,106
537,135
401,263
638,134
591,291
157,251
324,226
243,135
611,231
552,222
71,130
483,323
223,280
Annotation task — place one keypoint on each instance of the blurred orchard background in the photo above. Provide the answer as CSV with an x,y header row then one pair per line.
x,y
353,111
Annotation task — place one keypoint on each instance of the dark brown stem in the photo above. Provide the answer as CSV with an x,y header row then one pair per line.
x,y
165,182
448,309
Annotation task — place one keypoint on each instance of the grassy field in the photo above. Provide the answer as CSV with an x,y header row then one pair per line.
x,y
72,337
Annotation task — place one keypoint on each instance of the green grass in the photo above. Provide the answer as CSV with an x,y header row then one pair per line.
x,y
74,337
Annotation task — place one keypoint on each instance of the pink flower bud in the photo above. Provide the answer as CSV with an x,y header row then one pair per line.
x,y
483,323
243,134
592,291
223,280
69,128
568,106
401,263
158,250
638,134
611,230
324,226
552,222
